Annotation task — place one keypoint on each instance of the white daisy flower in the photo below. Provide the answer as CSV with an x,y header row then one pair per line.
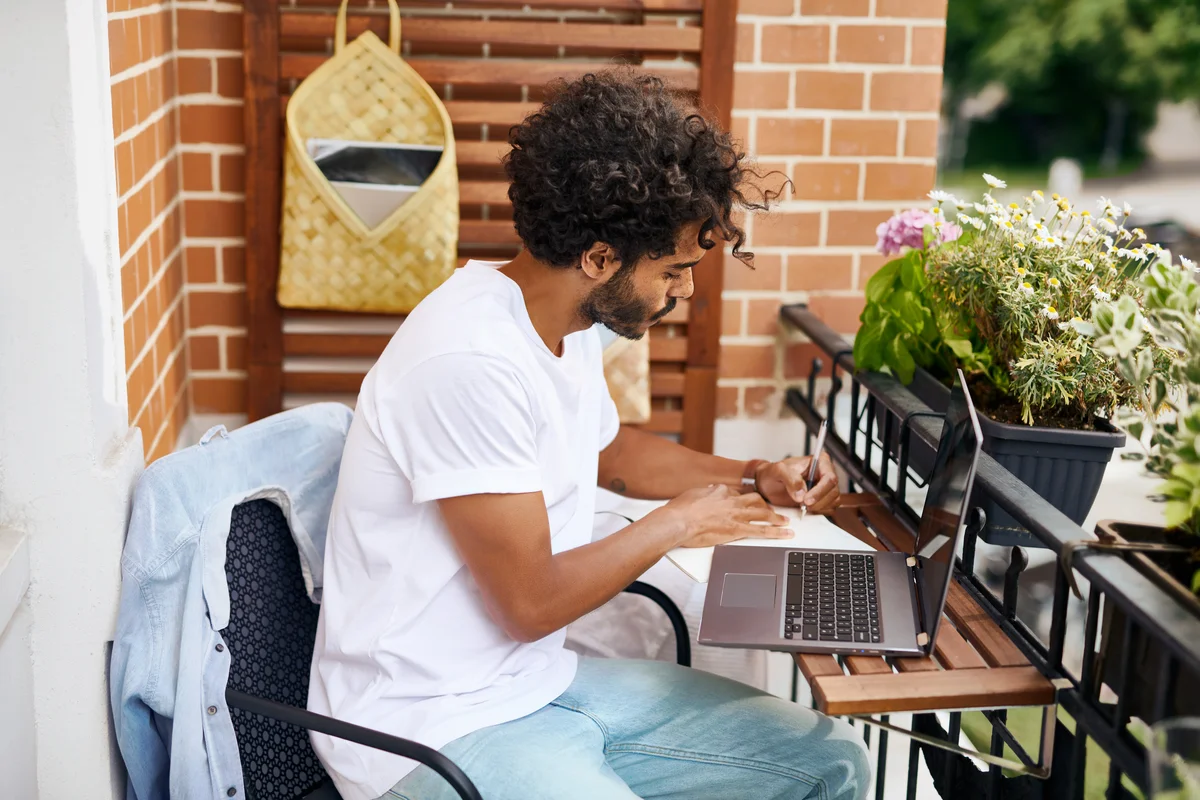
x,y
997,219
1021,272
1038,196
1027,288
1153,248
1126,209
1100,294
938,196
1188,264
994,182
1050,312
978,224
1020,246
1083,262
1104,203
980,208
1054,282
1107,224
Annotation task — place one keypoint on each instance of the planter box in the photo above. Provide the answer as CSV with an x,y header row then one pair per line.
x,y
1172,573
1065,467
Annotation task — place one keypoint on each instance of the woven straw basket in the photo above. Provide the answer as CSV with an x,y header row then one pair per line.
x,y
329,259
627,372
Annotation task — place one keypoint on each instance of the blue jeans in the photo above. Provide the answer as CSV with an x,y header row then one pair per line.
x,y
648,729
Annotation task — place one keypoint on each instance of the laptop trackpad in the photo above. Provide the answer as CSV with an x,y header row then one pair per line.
x,y
748,591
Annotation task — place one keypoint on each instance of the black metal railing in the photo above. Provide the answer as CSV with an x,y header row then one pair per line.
x,y
1096,689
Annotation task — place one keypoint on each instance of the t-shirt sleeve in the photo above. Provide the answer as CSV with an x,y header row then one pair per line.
x,y
610,420
462,424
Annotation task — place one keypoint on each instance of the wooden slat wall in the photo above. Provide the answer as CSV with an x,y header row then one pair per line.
x,y
488,60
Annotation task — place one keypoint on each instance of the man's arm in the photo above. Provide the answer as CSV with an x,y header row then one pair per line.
x,y
531,592
649,467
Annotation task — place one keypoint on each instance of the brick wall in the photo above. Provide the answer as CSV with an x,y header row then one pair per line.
x,y
841,96
142,66
209,46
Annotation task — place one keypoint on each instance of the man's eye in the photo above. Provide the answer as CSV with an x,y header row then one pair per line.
x,y
671,276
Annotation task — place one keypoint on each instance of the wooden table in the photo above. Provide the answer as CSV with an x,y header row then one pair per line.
x,y
975,665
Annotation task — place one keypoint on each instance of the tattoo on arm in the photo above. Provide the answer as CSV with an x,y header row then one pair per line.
x,y
617,485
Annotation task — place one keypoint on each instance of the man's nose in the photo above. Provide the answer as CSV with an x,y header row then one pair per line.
x,y
683,289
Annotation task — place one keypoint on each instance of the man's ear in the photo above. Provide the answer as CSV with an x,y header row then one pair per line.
x,y
599,262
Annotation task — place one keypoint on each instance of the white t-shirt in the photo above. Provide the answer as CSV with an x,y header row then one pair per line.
x,y
466,399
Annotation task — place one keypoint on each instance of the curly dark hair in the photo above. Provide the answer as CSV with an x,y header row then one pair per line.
x,y
614,157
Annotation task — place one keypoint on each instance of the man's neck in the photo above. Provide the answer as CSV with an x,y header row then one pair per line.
x,y
551,297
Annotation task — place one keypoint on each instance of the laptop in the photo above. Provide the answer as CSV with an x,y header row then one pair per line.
x,y
852,602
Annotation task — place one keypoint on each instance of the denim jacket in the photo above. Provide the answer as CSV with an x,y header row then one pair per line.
x,y
169,666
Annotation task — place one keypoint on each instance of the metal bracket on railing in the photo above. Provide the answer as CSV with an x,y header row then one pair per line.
x,y
1106,542
1025,765
905,438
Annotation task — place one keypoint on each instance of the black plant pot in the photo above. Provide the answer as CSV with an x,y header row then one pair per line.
x,y
1065,467
1172,572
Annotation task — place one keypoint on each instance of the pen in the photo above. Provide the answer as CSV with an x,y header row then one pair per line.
x,y
812,469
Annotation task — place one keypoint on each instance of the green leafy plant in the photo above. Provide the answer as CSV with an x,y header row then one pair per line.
x,y
1156,348
1005,298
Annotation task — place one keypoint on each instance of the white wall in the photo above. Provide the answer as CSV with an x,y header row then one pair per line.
x,y
67,456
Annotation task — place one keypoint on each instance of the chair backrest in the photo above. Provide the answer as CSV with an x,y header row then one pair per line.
x,y
271,631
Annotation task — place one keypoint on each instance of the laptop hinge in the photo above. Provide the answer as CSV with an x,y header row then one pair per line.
x,y
911,561
923,639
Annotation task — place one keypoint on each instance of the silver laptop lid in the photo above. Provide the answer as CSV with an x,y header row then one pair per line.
x,y
943,519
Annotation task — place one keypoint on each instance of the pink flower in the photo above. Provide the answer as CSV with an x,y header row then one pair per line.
x,y
907,229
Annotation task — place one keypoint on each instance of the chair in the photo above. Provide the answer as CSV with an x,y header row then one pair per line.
x,y
271,632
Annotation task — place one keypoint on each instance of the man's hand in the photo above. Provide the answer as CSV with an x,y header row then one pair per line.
x,y
718,514
783,483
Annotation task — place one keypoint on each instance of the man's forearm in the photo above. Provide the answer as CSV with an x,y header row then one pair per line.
x,y
582,579
648,467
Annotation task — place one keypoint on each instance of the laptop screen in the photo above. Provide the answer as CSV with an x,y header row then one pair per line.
x,y
944,516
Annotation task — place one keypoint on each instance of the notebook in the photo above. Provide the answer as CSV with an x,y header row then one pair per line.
x,y
812,532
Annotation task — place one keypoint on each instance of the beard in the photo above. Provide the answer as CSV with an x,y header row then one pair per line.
x,y
617,306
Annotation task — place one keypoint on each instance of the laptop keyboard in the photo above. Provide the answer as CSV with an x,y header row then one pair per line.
x,y
831,597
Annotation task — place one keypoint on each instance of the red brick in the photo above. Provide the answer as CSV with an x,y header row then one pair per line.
x,y
230,77
204,352
197,172
745,43
731,316
854,227
227,309
796,44
762,317
793,137
787,229
906,91
760,89
218,395
195,75
921,138
871,44
233,264
773,8
816,273
766,275
798,360
210,124
929,46
835,8
822,181
727,402
208,30
863,137
235,352
839,313
233,173
868,265
213,218
119,56
747,361
899,181
924,9
740,128
839,90
760,400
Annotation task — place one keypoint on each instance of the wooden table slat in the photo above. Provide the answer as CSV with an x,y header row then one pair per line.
x,y
867,665
814,665
954,652
1003,687
981,630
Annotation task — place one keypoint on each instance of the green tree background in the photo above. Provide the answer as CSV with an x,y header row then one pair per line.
x,y
1083,77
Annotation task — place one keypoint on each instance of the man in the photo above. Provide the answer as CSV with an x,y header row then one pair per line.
x,y
459,544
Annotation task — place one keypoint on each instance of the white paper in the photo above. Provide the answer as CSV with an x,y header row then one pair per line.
x,y
813,532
